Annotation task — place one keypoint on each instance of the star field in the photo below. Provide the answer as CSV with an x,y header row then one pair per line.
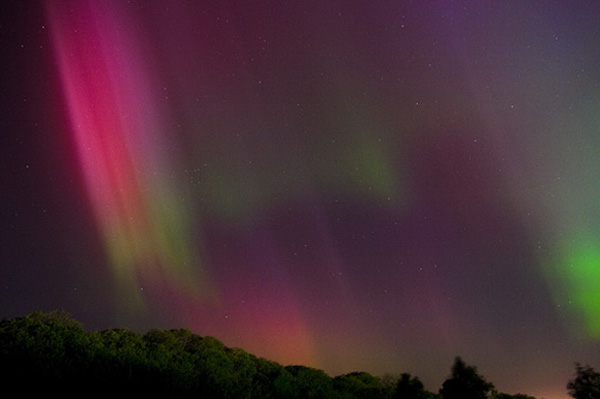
x,y
349,185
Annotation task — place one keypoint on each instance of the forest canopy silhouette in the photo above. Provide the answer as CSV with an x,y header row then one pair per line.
x,y
51,352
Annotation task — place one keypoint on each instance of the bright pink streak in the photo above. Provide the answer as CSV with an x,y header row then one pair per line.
x,y
118,126
117,130
97,126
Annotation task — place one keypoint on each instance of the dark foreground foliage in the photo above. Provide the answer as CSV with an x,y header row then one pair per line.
x,y
585,384
52,353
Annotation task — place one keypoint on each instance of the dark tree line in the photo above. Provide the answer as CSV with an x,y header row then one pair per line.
x,y
51,352
585,384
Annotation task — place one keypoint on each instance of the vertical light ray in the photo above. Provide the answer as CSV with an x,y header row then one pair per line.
x,y
575,277
119,130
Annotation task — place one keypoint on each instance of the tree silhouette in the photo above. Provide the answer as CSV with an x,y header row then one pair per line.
x,y
516,396
311,383
409,387
465,383
46,352
358,385
585,384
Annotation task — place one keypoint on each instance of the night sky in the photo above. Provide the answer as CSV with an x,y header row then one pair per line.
x,y
351,185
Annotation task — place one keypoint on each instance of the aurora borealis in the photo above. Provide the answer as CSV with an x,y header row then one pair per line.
x,y
349,185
